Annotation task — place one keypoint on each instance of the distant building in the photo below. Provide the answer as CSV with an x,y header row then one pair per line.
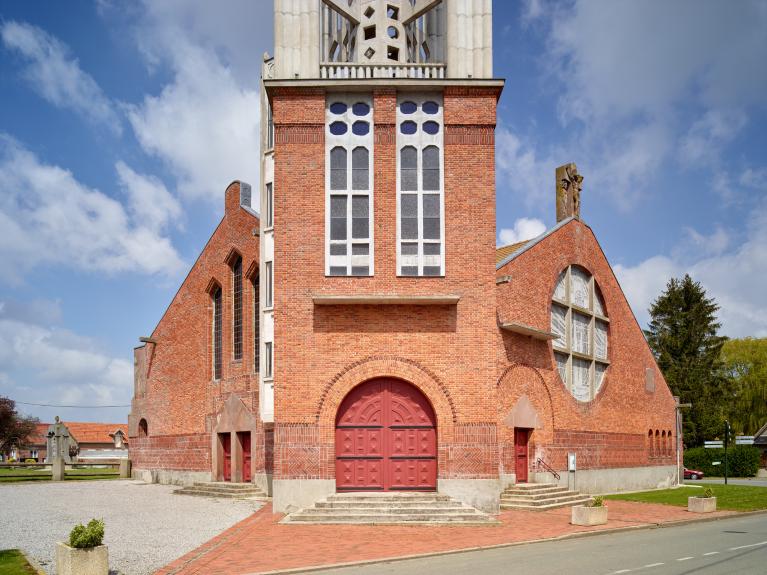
x,y
81,441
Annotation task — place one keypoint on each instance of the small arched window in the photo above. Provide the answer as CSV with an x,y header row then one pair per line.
x,y
664,446
360,168
143,429
408,166
658,452
256,323
338,168
431,168
670,440
650,443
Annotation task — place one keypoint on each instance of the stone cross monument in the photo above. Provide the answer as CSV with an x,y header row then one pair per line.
x,y
569,186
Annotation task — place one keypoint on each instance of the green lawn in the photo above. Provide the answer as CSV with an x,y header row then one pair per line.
x,y
44,474
12,562
728,497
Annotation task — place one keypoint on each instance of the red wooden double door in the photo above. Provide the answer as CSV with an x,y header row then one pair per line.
x,y
386,439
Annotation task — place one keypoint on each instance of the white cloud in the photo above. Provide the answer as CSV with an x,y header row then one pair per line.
x,y
148,199
706,137
66,368
55,74
734,276
204,124
521,171
523,229
48,217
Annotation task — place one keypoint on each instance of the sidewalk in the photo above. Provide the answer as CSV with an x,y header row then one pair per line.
x,y
259,544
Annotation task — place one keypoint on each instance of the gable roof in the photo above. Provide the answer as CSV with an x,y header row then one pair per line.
x,y
86,432
505,254
760,437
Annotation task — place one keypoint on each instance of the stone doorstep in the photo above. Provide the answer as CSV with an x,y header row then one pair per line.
x,y
518,507
225,485
536,495
532,486
388,495
544,501
382,518
242,497
382,504
217,490
455,509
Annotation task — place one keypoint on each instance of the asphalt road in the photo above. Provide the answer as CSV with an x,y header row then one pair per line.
x,y
731,546
761,482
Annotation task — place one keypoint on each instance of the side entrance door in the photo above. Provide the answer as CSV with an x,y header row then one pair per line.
x,y
244,437
520,453
226,448
386,439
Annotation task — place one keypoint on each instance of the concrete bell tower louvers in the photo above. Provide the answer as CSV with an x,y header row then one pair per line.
x,y
358,45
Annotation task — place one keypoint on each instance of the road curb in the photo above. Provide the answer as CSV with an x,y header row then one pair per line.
x,y
577,535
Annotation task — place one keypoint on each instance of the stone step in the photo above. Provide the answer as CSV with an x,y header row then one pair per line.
x,y
363,518
392,508
454,510
546,501
368,504
339,497
538,495
533,486
252,493
516,506
226,485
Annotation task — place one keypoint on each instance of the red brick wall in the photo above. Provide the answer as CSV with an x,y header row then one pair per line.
x,y
181,400
611,430
446,350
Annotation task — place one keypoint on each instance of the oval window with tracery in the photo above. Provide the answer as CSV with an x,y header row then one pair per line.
x,y
579,321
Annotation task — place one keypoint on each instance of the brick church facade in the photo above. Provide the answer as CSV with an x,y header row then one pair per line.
x,y
363,332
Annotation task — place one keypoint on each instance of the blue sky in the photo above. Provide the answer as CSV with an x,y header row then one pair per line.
x,y
121,124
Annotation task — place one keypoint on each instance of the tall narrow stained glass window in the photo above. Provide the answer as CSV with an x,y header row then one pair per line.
x,y
420,189
256,324
579,321
218,338
349,186
237,309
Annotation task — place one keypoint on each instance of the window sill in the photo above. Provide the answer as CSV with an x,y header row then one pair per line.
x,y
527,330
270,308
269,229
269,380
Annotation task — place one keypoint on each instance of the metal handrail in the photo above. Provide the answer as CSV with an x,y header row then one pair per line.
x,y
547,467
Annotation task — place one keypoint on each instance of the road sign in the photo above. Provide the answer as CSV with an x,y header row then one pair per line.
x,y
713,444
744,440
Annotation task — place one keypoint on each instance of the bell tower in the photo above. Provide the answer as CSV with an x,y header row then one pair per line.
x,y
377,207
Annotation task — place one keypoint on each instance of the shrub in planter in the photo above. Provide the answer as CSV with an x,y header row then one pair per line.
x,y
705,503
593,513
85,554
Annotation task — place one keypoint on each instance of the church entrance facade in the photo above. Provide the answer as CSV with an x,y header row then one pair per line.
x,y
386,439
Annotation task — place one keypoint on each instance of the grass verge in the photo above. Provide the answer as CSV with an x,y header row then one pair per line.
x,y
728,497
44,474
13,562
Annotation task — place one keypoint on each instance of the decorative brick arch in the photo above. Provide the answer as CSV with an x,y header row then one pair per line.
x,y
518,380
387,366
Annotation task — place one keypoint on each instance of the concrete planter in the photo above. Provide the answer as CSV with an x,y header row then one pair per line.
x,y
701,504
584,515
73,561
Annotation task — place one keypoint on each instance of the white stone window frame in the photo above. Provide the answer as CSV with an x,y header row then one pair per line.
x,y
419,141
349,141
565,348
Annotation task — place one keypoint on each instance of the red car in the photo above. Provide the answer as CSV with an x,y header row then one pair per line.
x,y
692,474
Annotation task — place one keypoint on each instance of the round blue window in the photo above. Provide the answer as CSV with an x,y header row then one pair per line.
x,y
337,108
431,127
430,107
361,109
408,107
338,128
360,128
408,127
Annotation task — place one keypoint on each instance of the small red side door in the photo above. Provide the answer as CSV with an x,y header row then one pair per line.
x,y
520,454
245,442
226,448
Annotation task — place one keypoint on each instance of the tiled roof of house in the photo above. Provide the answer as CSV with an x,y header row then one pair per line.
x,y
503,251
39,435
86,432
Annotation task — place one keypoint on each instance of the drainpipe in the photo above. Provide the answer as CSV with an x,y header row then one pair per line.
x,y
678,412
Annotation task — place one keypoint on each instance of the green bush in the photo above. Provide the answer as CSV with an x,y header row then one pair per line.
x,y
598,501
708,493
85,536
742,460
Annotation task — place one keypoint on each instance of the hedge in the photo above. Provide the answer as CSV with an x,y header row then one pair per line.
x,y
742,460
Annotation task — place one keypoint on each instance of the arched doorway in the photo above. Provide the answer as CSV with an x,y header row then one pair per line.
x,y
386,439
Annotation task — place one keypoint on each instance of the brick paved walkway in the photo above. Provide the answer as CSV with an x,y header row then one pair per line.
x,y
259,544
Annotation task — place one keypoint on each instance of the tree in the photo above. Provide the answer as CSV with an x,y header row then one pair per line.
x,y
745,362
683,336
15,429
